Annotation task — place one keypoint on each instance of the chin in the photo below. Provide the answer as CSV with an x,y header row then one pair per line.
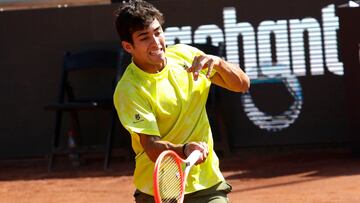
x,y
159,59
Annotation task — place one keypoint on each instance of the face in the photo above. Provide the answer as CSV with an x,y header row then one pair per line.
x,y
148,48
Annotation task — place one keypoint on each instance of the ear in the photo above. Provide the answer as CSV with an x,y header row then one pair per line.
x,y
127,46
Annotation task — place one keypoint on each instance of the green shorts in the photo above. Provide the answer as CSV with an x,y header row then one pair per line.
x,y
215,194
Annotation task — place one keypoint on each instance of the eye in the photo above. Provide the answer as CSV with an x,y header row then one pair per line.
x,y
143,39
159,32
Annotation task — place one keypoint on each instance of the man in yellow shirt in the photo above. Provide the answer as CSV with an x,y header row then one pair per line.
x,y
161,100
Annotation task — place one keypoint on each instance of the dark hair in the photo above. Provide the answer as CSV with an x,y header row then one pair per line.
x,y
133,16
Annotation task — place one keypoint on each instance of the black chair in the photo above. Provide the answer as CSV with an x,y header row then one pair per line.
x,y
212,106
101,67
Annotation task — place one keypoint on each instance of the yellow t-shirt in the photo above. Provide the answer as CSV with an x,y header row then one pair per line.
x,y
171,105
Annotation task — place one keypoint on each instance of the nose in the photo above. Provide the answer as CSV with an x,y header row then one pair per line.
x,y
155,39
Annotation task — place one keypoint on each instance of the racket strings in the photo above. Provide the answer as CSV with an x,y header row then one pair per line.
x,y
170,180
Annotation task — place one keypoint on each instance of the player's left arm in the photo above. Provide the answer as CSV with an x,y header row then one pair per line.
x,y
228,75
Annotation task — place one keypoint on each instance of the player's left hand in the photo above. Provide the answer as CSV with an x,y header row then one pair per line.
x,y
202,62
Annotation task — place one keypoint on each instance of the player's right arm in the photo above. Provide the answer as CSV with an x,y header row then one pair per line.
x,y
153,146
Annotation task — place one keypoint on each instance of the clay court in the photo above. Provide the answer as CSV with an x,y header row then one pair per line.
x,y
256,177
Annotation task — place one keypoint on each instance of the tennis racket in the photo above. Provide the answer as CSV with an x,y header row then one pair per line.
x,y
170,175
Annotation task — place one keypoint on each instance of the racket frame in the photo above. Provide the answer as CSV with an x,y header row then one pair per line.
x,y
179,162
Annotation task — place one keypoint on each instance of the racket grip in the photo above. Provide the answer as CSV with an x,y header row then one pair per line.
x,y
193,157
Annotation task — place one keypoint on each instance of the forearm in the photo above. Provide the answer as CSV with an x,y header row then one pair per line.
x,y
153,146
231,77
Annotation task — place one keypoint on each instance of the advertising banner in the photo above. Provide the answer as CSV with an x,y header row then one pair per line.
x,y
289,49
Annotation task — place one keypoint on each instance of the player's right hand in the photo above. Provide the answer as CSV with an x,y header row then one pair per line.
x,y
201,146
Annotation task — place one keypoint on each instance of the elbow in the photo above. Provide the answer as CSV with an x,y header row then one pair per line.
x,y
244,84
149,145
152,155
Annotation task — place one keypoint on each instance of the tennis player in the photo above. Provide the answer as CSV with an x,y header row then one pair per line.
x,y
161,99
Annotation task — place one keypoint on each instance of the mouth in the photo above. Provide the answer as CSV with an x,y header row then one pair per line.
x,y
157,52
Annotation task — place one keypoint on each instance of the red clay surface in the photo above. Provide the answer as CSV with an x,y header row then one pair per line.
x,y
314,177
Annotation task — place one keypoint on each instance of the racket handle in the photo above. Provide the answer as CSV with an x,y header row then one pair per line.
x,y
193,157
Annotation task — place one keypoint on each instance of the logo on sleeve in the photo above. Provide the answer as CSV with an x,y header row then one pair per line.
x,y
138,118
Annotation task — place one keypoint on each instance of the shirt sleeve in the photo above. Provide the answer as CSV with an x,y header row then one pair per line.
x,y
134,112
